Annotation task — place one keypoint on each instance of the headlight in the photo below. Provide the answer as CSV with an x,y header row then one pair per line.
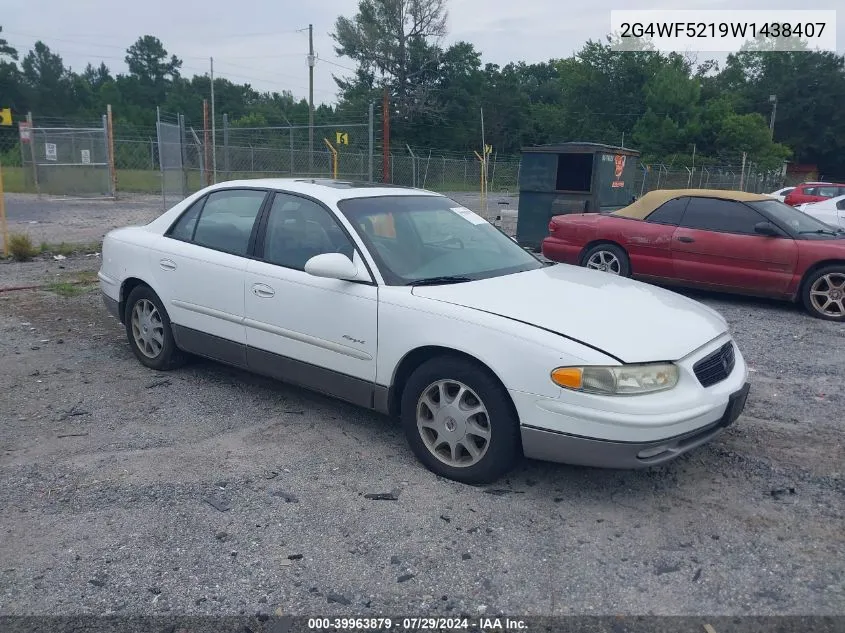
x,y
621,380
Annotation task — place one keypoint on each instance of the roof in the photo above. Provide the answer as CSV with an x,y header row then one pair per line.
x,y
573,147
640,209
325,189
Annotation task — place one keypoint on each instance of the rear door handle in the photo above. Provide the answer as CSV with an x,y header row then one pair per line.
x,y
167,264
685,239
262,290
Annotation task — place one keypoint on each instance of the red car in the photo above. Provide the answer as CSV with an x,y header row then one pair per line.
x,y
814,192
728,241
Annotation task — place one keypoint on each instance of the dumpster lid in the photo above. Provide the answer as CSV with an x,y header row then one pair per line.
x,y
579,147
642,208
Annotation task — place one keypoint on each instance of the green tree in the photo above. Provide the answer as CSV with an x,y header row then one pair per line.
x,y
47,82
390,41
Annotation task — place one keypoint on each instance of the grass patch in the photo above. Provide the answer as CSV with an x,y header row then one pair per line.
x,y
21,247
77,284
70,249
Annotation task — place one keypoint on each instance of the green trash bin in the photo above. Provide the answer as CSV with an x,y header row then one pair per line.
x,y
571,177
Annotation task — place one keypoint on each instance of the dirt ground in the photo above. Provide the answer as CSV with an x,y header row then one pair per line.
x,y
210,491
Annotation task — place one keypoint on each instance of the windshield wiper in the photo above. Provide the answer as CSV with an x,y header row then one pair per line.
x,y
821,232
436,281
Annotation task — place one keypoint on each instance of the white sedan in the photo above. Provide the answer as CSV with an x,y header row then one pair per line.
x,y
781,194
402,301
830,211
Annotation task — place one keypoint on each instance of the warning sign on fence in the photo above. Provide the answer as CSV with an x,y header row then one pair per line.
x,y
50,148
86,156
25,131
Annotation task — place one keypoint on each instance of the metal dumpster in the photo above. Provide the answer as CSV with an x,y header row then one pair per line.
x,y
571,178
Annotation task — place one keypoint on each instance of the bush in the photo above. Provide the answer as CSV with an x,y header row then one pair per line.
x,y
21,247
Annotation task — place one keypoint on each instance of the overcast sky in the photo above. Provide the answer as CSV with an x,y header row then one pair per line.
x,y
257,41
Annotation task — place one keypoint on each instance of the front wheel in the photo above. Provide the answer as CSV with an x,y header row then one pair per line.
x,y
608,258
460,421
824,293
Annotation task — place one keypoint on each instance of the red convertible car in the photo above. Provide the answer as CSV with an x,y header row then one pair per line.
x,y
729,241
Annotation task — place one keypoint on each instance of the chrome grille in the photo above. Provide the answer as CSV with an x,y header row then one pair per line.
x,y
715,367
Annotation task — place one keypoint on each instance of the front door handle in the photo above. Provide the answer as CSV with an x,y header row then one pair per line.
x,y
167,264
685,239
263,290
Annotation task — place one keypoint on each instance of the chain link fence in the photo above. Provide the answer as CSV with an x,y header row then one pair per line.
x,y
745,178
177,158
66,160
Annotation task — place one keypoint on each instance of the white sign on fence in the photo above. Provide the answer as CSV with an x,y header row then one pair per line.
x,y
51,151
86,156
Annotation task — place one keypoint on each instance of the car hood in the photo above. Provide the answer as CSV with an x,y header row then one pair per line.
x,y
630,320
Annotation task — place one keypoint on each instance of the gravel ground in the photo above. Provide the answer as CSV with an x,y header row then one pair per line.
x,y
76,220
211,491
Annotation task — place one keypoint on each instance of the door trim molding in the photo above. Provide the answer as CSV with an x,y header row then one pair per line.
x,y
307,338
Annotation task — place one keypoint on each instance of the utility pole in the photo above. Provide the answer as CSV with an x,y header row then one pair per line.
x,y
213,127
773,99
311,100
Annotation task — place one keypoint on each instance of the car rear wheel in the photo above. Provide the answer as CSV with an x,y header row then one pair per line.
x,y
149,332
608,258
460,421
824,293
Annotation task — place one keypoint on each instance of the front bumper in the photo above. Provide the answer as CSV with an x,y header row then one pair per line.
x,y
572,449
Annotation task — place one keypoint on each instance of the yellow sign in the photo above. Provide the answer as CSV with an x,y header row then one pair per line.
x,y
6,116
341,138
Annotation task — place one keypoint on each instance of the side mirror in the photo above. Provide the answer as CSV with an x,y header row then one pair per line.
x,y
331,266
767,228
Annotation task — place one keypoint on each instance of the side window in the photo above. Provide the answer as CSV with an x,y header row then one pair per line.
x,y
809,191
227,219
725,216
669,212
840,204
183,229
298,229
827,192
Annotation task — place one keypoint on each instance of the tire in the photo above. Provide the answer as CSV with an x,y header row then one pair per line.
x,y
823,293
610,255
159,352
496,454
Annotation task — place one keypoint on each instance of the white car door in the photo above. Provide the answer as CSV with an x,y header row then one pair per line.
x,y
199,267
317,332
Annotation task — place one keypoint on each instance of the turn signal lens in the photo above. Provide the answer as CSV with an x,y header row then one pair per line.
x,y
569,377
618,380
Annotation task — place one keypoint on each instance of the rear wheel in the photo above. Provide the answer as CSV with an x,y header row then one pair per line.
x,y
824,293
460,421
608,258
149,332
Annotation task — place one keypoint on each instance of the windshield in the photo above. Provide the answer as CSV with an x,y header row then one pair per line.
x,y
796,220
416,238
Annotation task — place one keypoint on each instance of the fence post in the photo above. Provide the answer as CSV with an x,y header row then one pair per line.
x,y
152,154
32,153
370,158
251,158
182,144
290,135
160,162
226,166
465,171
110,151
